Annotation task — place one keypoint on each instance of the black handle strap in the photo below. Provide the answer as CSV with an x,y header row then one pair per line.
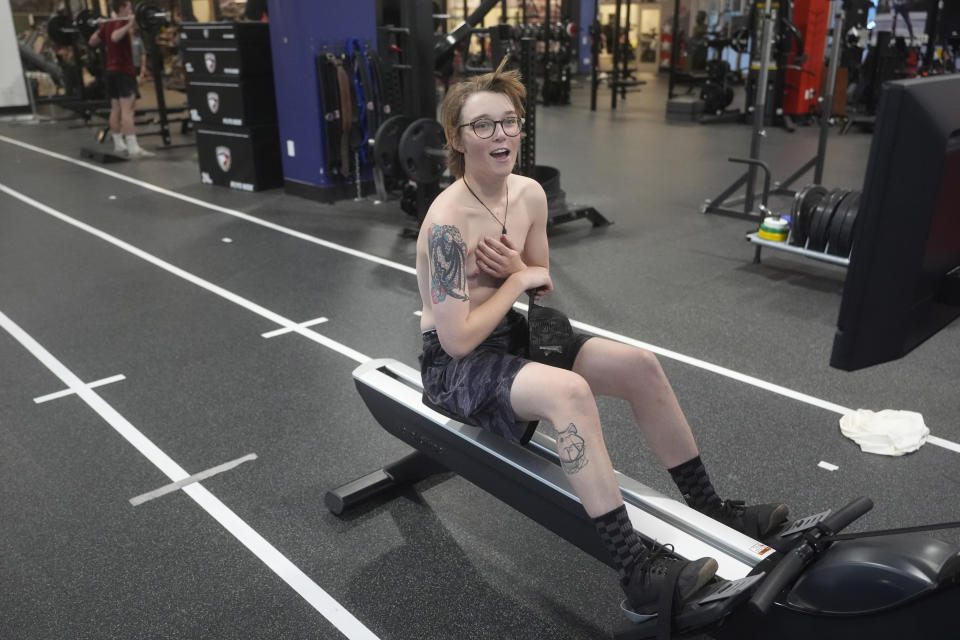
x,y
668,597
889,532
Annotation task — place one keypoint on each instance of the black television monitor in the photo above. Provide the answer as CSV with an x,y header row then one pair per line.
x,y
903,281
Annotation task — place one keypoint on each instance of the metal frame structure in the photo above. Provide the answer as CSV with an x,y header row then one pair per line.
x,y
723,203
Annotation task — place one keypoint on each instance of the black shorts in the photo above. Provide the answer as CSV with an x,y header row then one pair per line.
x,y
120,85
476,388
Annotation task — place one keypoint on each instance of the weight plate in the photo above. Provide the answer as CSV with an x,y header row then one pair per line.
x,y
804,204
797,197
149,16
86,22
61,30
795,238
820,223
836,224
421,151
386,145
845,237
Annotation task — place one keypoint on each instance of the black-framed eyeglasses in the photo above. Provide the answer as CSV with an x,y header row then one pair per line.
x,y
484,127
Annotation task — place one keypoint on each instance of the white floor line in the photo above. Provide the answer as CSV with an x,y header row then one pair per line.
x,y
197,477
946,444
723,371
695,362
189,277
67,392
259,546
214,207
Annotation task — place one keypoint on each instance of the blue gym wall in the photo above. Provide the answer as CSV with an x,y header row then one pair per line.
x,y
299,31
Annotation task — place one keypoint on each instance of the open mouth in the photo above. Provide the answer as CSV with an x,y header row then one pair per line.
x,y
500,153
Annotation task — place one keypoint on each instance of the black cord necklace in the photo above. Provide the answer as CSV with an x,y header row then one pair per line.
x,y
506,206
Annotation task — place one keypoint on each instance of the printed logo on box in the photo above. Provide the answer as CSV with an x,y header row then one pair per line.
x,y
210,60
224,158
213,101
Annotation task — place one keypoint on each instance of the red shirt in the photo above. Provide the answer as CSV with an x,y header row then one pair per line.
x,y
119,54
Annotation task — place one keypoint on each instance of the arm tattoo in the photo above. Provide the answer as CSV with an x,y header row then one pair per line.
x,y
448,258
572,449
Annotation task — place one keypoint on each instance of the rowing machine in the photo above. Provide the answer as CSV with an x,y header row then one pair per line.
x,y
896,586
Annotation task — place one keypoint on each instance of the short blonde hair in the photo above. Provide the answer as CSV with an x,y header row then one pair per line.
x,y
499,81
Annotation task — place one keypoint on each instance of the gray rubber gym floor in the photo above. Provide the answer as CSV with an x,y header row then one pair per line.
x,y
126,270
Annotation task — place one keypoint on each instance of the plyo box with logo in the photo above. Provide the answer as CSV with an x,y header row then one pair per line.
x,y
232,100
246,158
208,58
239,102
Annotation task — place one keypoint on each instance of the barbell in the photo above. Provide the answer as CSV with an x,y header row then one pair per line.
x,y
61,29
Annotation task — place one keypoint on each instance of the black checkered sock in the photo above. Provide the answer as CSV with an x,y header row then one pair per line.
x,y
694,484
621,540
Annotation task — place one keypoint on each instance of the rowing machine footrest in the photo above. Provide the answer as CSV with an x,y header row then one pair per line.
x,y
715,602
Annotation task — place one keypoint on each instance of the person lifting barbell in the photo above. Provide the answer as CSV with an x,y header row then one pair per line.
x,y
88,21
120,78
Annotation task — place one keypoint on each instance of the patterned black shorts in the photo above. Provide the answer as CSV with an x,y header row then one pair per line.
x,y
476,388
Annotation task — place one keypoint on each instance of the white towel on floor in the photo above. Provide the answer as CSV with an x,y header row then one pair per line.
x,y
887,432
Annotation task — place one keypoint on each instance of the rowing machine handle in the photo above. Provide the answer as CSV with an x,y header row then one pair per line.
x,y
793,562
780,576
839,519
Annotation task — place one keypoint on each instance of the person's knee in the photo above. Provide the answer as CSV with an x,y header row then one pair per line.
x,y
573,394
644,366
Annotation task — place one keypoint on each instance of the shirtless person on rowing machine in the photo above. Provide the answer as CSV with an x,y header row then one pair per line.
x,y
482,244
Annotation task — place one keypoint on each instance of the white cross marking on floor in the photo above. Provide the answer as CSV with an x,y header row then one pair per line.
x,y
91,385
302,325
197,477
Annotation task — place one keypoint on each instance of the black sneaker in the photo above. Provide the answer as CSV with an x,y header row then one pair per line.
x,y
757,521
646,581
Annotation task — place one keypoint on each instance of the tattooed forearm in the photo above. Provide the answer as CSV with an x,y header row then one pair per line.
x,y
448,259
572,449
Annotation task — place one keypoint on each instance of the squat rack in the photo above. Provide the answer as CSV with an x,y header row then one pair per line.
x,y
753,161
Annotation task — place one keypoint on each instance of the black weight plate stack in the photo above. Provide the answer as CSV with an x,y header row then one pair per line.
x,y
421,151
822,215
804,205
842,245
386,145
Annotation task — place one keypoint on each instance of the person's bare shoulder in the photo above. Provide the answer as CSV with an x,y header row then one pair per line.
x,y
444,210
531,194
